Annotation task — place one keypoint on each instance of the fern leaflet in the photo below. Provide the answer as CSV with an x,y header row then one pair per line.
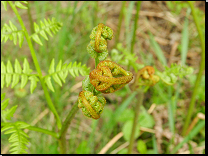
x,y
46,27
10,32
18,137
17,4
60,73
8,74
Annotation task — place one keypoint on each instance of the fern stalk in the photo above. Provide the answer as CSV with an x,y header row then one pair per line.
x,y
119,23
30,19
200,73
62,133
37,129
48,99
140,96
135,26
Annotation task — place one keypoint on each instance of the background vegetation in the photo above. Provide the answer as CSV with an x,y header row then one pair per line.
x,y
166,33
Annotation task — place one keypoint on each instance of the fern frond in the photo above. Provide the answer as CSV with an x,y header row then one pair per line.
x,y
8,75
46,27
8,113
170,74
18,137
10,32
20,5
60,73
17,4
4,4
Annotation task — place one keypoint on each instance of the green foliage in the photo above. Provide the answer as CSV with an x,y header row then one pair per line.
x,y
46,27
87,86
16,3
169,75
201,92
145,119
106,33
176,6
60,73
127,129
8,113
83,148
18,137
141,147
10,32
158,51
125,58
10,74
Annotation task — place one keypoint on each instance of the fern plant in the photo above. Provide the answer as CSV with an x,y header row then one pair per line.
x,y
17,74
18,138
107,77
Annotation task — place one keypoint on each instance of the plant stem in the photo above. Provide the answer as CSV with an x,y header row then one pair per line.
x,y
96,62
62,133
47,96
30,18
200,73
140,96
135,25
53,134
119,22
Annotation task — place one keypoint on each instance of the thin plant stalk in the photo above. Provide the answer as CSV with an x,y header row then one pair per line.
x,y
37,129
30,18
200,73
62,133
96,62
140,96
119,22
135,25
47,96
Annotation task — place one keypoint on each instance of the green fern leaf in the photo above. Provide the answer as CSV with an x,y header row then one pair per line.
x,y
3,96
4,104
48,83
3,72
19,5
21,38
8,113
46,27
10,32
4,4
18,137
60,73
18,70
37,39
170,74
8,75
34,81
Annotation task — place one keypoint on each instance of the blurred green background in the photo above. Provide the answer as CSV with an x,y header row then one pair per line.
x,y
160,23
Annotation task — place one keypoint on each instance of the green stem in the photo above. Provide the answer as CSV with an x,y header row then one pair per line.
x,y
30,19
192,134
96,62
47,96
135,25
53,134
120,21
200,73
140,96
62,133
